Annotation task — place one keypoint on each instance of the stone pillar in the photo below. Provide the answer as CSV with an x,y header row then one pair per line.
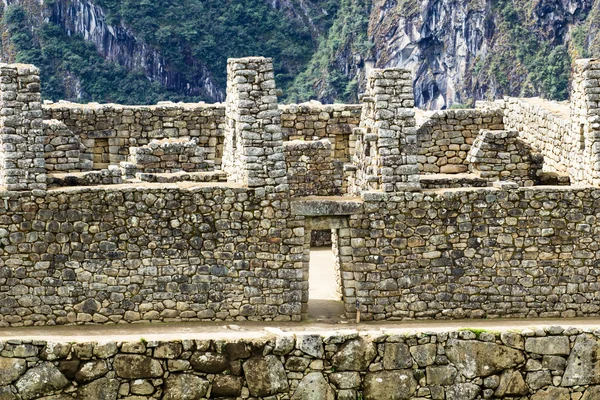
x,y
253,154
22,163
584,142
386,149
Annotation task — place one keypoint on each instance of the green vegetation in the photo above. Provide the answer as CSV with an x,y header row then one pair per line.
x,y
69,62
523,62
211,31
328,72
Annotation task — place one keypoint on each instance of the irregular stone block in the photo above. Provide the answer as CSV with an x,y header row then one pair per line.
x,y
474,358
41,380
265,376
314,386
354,355
101,389
389,385
133,366
583,365
185,387
11,369
555,345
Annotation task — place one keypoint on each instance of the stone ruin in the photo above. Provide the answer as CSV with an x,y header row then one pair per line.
x,y
194,212
183,212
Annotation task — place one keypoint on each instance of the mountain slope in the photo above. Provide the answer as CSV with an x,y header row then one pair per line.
x,y
142,51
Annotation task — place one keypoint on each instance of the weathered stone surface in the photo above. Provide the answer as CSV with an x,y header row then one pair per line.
x,y
583,365
7,394
314,386
389,385
310,344
265,376
475,358
552,393
556,345
168,350
441,375
591,393
100,389
463,391
283,345
210,363
424,354
91,370
345,380
511,384
11,369
397,356
133,366
354,355
227,386
185,387
41,380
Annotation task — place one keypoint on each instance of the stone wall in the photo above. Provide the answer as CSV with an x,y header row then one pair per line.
x,y
315,121
170,155
547,132
63,150
311,170
474,253
501,156
386,148
445,137
123,127
554,363
22,163
161,252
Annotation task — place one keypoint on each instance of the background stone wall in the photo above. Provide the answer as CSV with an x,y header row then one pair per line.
x,y
554,363
315,121
475,253
170,155
445,137
311,170
135,126
501,156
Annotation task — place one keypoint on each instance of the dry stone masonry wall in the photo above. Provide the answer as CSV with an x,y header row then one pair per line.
x,y
445,138
500,156
386,149
180,246
170,155
22,165
554,363
311,170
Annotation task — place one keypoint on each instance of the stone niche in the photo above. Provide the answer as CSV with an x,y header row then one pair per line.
x,y
170,155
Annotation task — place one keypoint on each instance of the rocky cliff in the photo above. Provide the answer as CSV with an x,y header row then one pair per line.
x,y
459,50
466,50
120,44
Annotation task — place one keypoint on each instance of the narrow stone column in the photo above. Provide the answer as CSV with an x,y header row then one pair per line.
x,y
22,163
585,120
253,152
386,150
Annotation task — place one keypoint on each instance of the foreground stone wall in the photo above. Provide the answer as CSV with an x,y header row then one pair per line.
x,y
474,253
554,363
445,138
150,253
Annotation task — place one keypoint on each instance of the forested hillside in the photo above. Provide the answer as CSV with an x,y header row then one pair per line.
x,y
141,51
